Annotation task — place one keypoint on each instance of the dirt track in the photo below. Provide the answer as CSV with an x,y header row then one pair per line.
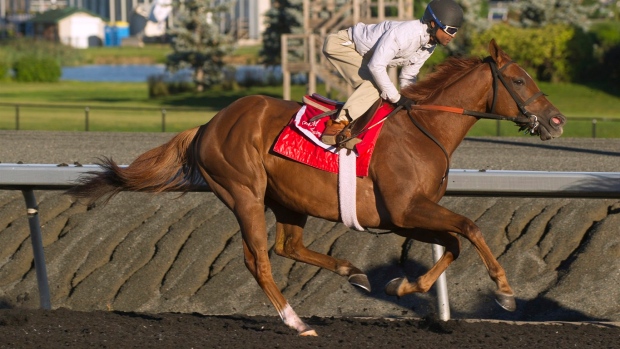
x,y
151,254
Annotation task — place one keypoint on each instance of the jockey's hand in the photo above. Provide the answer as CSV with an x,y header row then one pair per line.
x,y
405,102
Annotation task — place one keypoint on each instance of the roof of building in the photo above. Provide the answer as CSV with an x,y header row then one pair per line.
x,y
54,16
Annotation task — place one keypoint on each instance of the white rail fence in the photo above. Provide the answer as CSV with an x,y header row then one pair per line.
x,y
30,177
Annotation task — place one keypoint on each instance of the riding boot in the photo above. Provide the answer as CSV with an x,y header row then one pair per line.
x,y
332,130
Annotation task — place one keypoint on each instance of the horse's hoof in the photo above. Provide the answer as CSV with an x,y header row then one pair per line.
x,y
391,288
309,333
361,281
506,301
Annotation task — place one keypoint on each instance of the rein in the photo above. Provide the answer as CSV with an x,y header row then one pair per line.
x,y
528,118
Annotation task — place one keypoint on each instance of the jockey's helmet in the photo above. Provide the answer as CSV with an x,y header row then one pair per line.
x,y
447,14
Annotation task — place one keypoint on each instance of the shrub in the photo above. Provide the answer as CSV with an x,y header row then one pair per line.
x,y
610,66
556,52
4,70
157,86
33,69
606,34
229,82
18,48
178,87
162,85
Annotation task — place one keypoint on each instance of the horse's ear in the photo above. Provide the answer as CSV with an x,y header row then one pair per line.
x,y
499,56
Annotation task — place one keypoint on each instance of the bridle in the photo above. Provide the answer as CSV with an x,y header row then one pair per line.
x,y
527,120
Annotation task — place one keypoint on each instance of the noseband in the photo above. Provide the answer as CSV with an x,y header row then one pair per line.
x,y
529,120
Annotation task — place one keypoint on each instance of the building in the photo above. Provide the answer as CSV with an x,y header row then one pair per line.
x,y
71,26
498,10
245,20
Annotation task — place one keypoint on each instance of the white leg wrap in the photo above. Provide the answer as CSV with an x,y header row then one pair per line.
x,y
291,319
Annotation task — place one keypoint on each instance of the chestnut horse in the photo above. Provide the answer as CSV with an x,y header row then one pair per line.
x,y
232,154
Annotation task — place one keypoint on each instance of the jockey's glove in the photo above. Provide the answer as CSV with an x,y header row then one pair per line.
x,y
405,102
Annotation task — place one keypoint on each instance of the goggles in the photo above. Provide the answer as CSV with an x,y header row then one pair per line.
x,y
448,29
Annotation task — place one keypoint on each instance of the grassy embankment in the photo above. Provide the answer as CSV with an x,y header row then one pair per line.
x,y
573,100
182,111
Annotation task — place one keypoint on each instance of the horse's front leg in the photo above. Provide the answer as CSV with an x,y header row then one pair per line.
x,y
401,286
289,244
425,214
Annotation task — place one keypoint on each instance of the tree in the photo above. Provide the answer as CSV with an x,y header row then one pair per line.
x,y
284,17
197,41
475,21
538,13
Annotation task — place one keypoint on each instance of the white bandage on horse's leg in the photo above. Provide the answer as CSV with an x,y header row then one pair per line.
x,y
291,319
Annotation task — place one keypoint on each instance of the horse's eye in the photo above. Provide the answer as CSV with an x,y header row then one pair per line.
x,y
518,82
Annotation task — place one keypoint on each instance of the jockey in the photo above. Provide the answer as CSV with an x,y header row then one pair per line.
x,y
362,53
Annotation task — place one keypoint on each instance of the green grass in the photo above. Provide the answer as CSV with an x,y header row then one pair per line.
x,y
584,101
148,54
576,102
68,99
154,54
61,106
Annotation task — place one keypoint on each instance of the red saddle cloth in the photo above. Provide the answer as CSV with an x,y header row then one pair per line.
x,y
300,139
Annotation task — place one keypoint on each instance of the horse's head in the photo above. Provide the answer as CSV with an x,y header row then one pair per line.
x,y
521,97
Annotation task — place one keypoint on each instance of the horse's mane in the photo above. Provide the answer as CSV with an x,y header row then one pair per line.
x,y
444,74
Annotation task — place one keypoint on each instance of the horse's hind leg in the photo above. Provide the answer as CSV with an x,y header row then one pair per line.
x,y
289,243
401,286
256,254
250,215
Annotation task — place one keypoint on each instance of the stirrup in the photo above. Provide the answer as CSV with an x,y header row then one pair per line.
x,y
333,131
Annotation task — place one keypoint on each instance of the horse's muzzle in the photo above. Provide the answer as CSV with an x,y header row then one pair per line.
x,y
551,127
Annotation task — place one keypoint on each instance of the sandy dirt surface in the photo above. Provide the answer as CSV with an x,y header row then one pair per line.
x,y
99,329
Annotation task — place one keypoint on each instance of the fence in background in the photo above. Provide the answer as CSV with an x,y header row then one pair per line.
x,y
28,178
162,114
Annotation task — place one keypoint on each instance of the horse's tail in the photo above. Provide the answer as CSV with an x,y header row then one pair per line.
x,y
169,167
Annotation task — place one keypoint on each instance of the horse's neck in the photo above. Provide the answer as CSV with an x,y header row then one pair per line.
x,y
469,92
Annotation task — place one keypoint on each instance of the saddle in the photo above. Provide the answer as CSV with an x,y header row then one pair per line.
x,y
348,136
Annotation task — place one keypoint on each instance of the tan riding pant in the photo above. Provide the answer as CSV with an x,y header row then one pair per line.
x,y
340,51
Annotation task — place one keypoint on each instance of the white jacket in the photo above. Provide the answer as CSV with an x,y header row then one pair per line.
x,y
393,43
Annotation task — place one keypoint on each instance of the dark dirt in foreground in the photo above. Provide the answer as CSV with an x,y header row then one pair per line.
x,y
21,328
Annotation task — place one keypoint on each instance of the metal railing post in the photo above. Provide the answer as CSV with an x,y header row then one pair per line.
x,y
441,285
86,117
593,128
17,117
37,248
163,120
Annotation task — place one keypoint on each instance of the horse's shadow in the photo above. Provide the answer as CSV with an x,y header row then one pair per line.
x,y
425,305
417,304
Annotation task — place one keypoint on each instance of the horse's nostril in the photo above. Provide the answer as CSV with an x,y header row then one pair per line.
x,y
557,120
